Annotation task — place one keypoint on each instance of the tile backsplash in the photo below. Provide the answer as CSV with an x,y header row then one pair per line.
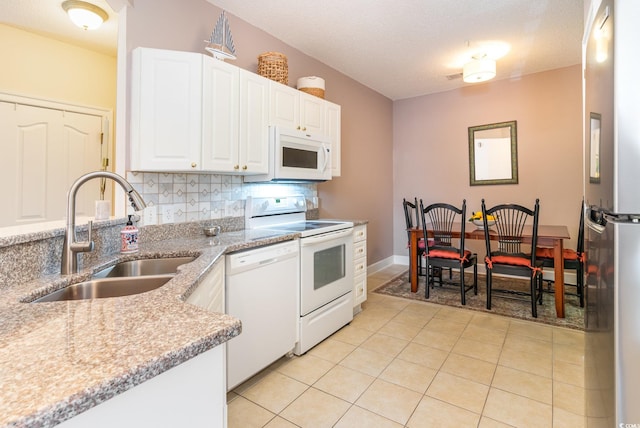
x,y
182,197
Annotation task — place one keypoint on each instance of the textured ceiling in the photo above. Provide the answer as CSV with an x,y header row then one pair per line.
x,y
406,48
399,48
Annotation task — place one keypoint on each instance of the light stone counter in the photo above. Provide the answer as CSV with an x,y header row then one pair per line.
x,y
59,359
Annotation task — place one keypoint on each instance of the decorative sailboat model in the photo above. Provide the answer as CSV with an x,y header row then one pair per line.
x,y
220,44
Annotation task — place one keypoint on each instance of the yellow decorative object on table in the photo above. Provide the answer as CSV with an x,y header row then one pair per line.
x,y
476,218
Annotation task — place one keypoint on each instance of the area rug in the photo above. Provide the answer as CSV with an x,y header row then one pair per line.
x,y
449,294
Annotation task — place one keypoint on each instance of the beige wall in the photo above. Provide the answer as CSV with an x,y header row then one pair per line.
x,y
42,67
364,190
430,152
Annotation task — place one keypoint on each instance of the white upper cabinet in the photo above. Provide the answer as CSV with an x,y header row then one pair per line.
x,y
166,113
220,86
253,147
191,112
332,127
312,113
285,106
293,109
235,120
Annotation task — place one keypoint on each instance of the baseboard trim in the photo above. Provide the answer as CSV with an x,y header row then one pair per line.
x,y
384,263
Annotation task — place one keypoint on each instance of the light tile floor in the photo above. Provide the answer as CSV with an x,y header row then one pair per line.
x,y
414,364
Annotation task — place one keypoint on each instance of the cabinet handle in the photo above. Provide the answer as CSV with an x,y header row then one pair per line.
x,y
304,128
298,127
193,164
244,168
236,167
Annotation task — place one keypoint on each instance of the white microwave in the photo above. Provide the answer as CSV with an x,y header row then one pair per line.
x,y
296,156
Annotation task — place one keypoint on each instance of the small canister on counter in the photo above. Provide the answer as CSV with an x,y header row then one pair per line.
x,y
313,85
129,238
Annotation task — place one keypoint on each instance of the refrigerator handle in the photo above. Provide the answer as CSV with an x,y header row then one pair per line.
x,y
595,218
621,218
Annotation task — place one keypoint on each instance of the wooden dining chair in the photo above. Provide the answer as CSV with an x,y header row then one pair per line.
x,y
438,222
572,259
507,252
412,220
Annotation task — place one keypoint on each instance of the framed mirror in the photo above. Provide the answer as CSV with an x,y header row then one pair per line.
x,y
493,154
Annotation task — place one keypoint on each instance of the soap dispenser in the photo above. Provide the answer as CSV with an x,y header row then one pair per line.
x,y
129,237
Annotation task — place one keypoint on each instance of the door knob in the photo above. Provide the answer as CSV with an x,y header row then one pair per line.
x,y
193,164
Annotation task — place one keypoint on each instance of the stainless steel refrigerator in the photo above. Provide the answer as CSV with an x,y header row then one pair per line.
x,y
611,60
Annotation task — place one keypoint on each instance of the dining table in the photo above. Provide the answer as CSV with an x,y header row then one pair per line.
x,y
548,236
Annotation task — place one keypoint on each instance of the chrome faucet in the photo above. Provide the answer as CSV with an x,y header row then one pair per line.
x,y
71,246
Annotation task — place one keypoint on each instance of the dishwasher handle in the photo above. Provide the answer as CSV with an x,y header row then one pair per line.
x,y
261,256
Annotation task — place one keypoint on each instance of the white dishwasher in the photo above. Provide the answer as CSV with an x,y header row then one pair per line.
x,y
262,290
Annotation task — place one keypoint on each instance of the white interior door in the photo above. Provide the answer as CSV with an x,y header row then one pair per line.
x,y
44,151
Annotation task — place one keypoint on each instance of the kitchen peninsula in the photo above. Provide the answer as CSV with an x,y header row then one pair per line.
x,y
61,359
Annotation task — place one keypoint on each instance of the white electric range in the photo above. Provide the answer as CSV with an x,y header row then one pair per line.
x,y
326,264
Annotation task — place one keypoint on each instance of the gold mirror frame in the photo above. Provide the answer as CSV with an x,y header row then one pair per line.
x,y
493,154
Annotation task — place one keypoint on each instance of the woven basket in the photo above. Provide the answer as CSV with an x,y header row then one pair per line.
x,y
313,85
273,65
318,92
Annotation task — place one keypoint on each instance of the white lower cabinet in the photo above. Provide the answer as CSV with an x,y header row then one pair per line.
x,y
192,394
360,266
209,293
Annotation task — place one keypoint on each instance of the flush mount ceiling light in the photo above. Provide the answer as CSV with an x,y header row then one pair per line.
x,y
85,15
479,69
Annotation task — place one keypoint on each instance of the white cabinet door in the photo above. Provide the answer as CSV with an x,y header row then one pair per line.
x,y
166,113
293,109
192,394
285,106
254,123
312,114
220,87
209,294
332,129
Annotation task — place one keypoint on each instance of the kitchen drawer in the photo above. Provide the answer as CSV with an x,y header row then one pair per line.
x,y
360,233
360,289
360,267
359,249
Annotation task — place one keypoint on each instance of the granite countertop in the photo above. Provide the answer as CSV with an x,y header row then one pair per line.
x,y
59,359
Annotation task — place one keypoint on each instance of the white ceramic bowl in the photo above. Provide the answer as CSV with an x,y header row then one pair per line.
x,y
480,223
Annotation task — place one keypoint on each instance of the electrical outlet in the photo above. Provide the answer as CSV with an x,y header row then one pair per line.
x,y
150,215
167,214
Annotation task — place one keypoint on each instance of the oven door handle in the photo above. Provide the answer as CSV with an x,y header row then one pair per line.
x,y
318,239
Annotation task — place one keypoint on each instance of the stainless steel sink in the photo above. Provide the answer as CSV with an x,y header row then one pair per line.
x,y
107,287
144,267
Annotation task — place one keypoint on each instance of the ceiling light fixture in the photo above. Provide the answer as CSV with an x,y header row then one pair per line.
x,y
85,15
479,69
